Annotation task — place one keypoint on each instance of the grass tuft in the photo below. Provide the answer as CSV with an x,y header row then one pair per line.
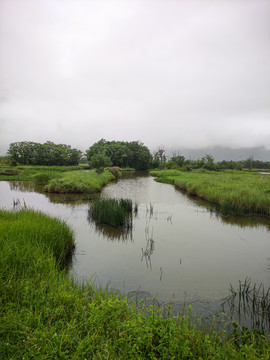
x,y
112,212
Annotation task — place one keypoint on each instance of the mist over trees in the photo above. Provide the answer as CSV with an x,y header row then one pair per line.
x,y
124,154
177,162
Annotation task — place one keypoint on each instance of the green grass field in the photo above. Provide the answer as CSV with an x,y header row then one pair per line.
x,y
231,192
44,314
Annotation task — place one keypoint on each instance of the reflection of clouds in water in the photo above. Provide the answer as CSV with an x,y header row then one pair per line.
x,y
183,232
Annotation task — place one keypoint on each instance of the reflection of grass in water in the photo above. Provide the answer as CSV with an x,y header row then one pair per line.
x,y
234,192
250,302
113,212
122,234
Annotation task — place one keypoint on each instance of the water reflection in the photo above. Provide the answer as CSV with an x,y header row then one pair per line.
x,y
123,234
148,250
71,199
245,221
77,199
178,247
239,221
26,186
249,305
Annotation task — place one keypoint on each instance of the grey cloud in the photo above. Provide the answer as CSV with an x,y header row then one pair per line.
x,y
188,74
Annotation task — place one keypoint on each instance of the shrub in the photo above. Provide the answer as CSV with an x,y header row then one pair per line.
x,y
115,170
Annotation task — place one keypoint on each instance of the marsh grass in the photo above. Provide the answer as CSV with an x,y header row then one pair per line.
x,y
27,173
231,192
44,177
29,229
249,302
80,182
113,212
8,172
46,315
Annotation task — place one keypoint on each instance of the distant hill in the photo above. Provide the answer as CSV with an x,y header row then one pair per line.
x,y
223,153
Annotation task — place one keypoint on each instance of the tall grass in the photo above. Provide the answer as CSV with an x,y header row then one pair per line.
x,y
44,177
249,302
29,229
46,315
233,192
79,182
112,212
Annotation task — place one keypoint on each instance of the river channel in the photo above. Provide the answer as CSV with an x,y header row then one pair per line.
x,y
178,250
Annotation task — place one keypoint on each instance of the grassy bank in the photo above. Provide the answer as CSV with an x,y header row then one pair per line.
x,y
46,315
234,192
79,182
28,173
61,179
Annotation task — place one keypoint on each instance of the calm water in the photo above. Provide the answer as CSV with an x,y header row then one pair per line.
x,y
178,248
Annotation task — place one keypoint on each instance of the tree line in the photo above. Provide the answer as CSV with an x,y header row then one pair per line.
x,y
33,153
207,162
123,154
101,154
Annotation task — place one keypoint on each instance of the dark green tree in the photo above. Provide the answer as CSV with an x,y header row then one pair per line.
x,y
99,161
32,153
122,154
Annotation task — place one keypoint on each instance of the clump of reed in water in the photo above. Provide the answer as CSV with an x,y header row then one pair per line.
x,y
250,301
114,212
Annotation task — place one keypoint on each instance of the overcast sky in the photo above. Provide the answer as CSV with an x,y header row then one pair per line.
x,y
184,74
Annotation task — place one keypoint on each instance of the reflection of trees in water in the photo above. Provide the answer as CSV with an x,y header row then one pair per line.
x,y
123,234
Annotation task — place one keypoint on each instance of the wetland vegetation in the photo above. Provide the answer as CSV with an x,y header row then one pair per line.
x,y
114,212
45,314
231,192
79,182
